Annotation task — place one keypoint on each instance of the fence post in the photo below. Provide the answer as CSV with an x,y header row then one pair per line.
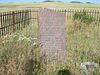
x,y
13,18
1,31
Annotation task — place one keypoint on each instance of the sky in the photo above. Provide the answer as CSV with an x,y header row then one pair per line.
x,y
93,1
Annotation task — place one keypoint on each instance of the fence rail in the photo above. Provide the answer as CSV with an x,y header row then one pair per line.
x,y
95,14
14,20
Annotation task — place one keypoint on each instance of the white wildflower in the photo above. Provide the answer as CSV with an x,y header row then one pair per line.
x,y
34,43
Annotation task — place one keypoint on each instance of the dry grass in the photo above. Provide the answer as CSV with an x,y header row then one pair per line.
x,y
19,53
18,56
57,5
82,45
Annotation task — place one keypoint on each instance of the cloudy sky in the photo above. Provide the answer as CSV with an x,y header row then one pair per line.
x,y
93,1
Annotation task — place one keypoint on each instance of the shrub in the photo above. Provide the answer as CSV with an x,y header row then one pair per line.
x,y
76,2
49,1
83,17
64,72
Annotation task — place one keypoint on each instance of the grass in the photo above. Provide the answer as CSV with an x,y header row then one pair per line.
x,y
40,4
82,45
19,54
58,5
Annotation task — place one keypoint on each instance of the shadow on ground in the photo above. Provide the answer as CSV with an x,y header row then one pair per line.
x,y
64,72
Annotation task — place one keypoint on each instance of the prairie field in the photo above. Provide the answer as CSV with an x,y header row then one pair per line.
x,y
19,52
57,5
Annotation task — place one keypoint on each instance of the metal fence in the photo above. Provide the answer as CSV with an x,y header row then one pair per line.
x,y
14,20
91,13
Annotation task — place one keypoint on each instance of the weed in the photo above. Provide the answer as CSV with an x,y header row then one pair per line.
x,y
83,17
